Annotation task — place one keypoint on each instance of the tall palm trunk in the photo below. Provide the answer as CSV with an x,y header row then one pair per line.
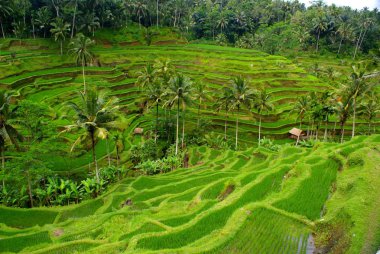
x,y
183,125
3,163
199,109
2,28
176,139
340,45
61,47
357,43
157,13
108,153
74,17
319,33
341,132
260,131
156,130
29,189
353,118
94,157
117,156
225,124
237,128
325,136
84,77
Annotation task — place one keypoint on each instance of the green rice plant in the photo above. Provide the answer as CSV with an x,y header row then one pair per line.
x,y
266,231
82,210
212,191
21,218
214,219
310,196
80,246
17,243
145,228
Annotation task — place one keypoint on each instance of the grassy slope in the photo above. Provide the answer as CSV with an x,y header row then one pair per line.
x,y
181,211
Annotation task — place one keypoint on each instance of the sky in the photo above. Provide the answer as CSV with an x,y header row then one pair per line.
x,y
355,4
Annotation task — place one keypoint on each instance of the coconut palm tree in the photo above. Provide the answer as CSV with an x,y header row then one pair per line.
x,y
140,10
345,32
119,145
357,88
155,95
370,109
242,96
96,114
146,77
224,103
164,69
301,107
320,25
222,22
262,104
90,22
201,95
180,91
80,48
8,133
60,30
43,18
5,11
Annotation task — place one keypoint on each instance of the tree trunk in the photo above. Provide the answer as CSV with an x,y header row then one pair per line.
x,y
237,128
117,156
157,13
156,131
298,140
225,124
2,28
74,17
30,189
325,136
260,131
340,45
84,77
319,33
342,132
369,128
3,164
353,118
357,43
33,30
94,157
183,125
176,139
61,47
199,109
108,153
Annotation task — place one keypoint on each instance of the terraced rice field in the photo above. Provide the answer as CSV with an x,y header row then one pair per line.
x,y
268,204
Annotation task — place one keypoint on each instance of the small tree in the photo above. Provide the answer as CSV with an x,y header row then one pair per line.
x,y
262,104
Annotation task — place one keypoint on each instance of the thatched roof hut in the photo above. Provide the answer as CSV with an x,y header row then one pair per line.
x,y
138,131
295,133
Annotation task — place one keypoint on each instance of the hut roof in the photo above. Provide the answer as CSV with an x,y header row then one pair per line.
x,y
138,131
296,132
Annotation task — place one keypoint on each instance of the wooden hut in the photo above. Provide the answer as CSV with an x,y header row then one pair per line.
x,y
296,134
138,131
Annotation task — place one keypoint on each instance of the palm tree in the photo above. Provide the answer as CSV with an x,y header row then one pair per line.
x,y
224,103
262,104
119,145
357,88
180,90
60,31
43,18
155,94
201,95
320,25
301,108
164,69
345,32
5,11
242,95
222,23
79,47
370,109
146,77
8,133
95,114
73,3
90,22
140,10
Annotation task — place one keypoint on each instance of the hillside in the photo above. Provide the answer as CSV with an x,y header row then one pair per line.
x,y
235,202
